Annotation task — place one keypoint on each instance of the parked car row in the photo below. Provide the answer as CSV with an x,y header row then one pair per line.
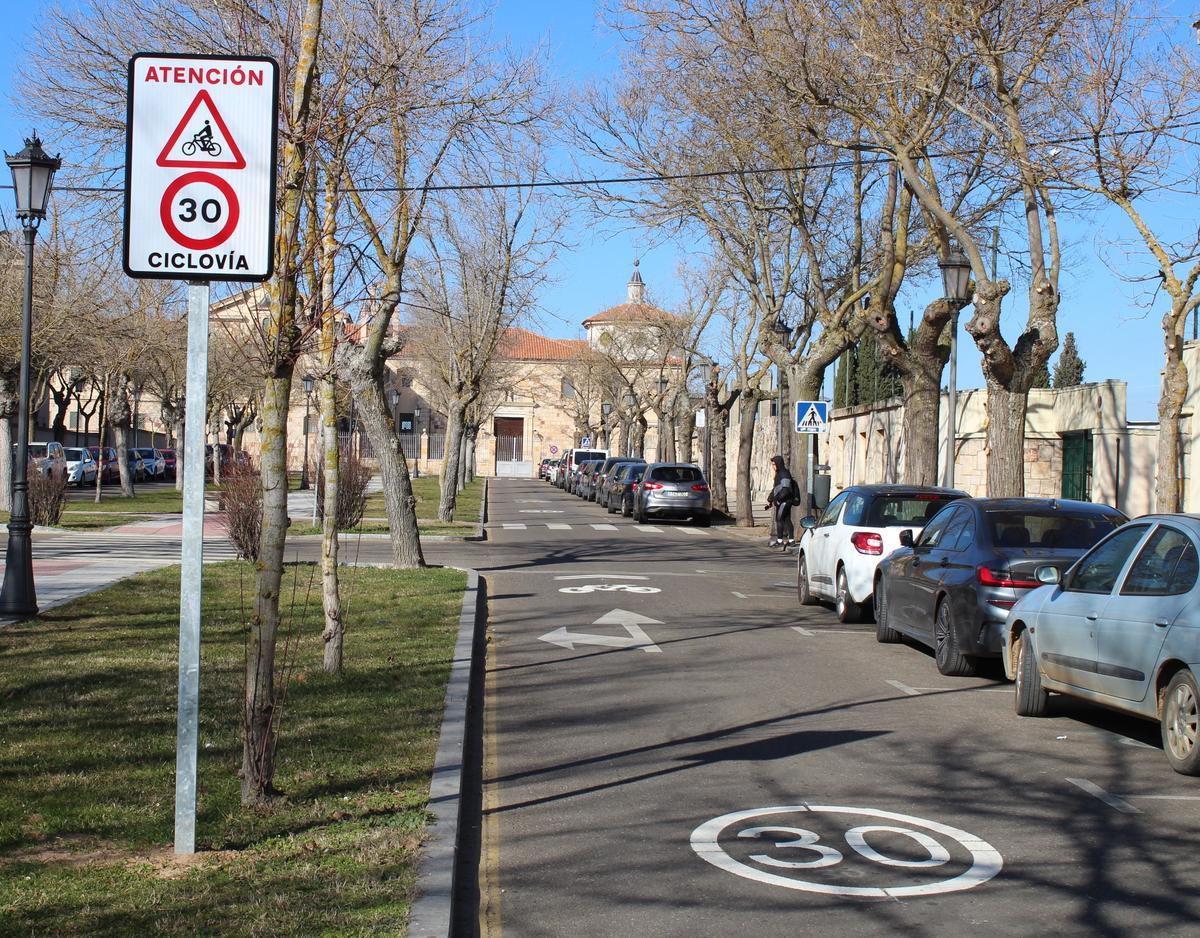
x,y
1073,597
79,465
628,484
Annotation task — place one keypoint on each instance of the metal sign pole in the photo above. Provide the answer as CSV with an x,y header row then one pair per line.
x,y
192,558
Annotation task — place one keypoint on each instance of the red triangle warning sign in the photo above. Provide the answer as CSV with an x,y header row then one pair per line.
x,y
196,143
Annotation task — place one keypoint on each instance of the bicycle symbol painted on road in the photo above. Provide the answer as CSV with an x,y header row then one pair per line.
x,y
610,588
904,856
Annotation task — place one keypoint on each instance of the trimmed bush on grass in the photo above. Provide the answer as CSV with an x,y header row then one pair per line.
x,y
47,496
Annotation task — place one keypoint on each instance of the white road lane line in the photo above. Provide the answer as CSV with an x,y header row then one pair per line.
x,y
905,689
802,631
603,576
514,526
695,531
604,527
1113,801
646,528
558,527
738,595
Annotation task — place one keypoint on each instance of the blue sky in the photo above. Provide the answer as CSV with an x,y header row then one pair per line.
x,y
1116,337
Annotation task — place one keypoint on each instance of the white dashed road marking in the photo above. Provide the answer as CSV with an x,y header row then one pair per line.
x,y
647,529
514,526
905,689
604,527
1113,801
559,527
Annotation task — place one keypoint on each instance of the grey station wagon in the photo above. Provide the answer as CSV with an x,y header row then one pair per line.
x,y
1122,629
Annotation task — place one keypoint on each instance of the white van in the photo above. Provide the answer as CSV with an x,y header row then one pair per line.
x,y
573,458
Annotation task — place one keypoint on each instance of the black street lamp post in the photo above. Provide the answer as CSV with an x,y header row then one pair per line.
x,y
706,373
308,382
33,174
956,283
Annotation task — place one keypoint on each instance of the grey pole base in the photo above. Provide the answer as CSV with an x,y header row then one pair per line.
x,y
18,597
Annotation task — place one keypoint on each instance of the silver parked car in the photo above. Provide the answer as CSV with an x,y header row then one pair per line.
x,y
1120,628
673,490
81,468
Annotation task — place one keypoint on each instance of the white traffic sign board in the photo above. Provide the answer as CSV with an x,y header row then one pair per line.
x,y
200,167
811,416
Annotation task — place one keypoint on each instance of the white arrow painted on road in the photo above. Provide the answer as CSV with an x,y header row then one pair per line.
x,y
630,621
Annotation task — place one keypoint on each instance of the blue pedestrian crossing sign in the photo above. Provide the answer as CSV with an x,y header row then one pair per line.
x,y
811,416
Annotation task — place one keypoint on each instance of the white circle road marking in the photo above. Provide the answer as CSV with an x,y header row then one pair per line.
x,y
609,588
986,861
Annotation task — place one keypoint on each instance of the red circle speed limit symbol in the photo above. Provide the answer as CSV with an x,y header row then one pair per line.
x,y
210,217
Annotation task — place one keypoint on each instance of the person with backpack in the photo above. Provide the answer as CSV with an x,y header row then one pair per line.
x,y
784,494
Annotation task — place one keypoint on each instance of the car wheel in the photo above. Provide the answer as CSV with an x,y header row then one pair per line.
x,y
950,661
884,633
627,508
1030,699
803,591
1181,723
847,609
610,507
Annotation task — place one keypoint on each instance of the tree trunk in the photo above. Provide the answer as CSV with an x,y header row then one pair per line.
x,y
462,463
331,598
666,439
638,443
469,460
1168,496
684,430
258,751
177,431
398,498
1005,441
453,451
100,442
62,400
121,443
8,409
747,414
922,401
717,421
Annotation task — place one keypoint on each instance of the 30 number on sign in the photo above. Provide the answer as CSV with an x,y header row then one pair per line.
x,y
199,211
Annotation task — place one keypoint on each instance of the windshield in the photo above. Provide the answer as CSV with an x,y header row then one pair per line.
x,y
908,511
1050,528
75,455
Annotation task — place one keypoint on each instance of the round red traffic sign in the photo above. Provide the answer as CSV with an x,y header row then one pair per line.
x,y
167,213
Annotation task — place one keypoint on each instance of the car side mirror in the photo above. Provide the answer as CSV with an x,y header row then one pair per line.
x,y
1048,574
808,523
906,538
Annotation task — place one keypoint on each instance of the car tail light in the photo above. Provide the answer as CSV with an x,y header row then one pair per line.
x,y
867,542
651,486
699,487
1002,603
989,577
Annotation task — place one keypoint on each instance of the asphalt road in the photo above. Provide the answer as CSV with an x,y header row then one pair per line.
x,y
761,770
696,755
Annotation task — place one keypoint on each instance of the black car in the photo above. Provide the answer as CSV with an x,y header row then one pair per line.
x,y
952,588
582,479
600,478
619,489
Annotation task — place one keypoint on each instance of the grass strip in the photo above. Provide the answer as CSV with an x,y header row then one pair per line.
x,y
87,744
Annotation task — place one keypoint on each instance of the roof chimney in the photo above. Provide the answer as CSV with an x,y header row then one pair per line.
x,y
637,289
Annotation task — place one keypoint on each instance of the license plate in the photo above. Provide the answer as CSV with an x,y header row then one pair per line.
x,y
678,494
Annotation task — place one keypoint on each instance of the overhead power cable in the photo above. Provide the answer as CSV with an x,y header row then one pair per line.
x,y
881,152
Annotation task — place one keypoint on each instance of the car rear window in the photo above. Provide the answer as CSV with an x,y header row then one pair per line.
x,y
73,453
676,474
906,511
582,454
1049,528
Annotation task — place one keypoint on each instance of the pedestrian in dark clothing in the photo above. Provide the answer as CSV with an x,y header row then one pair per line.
x,y
784,494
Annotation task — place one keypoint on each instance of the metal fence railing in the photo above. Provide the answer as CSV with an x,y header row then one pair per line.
x,y
437,444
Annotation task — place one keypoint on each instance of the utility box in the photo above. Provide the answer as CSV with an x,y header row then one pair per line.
x,y
821,483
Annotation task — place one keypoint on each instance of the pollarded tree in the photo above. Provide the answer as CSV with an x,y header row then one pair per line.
x,y
1134,92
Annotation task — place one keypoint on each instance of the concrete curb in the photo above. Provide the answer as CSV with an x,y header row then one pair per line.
x,y
431,912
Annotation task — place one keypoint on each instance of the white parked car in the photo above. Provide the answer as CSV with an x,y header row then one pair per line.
x,y
838,552
81,468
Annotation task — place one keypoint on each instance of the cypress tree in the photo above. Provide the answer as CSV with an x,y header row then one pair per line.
x,y
1068,371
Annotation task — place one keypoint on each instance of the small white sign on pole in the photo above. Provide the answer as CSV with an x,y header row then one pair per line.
x,y
199,206
200,167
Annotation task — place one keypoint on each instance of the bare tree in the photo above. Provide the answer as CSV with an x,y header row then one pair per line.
x,y
1134,93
